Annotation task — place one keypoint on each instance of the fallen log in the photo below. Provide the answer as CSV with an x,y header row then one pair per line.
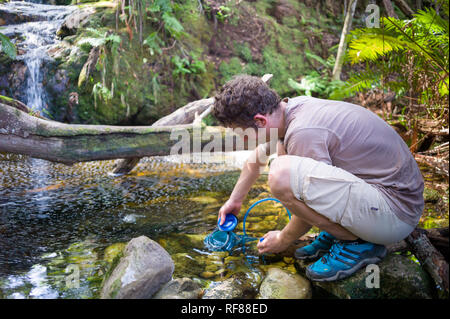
x,y
183,115
22,133
429,257
187,114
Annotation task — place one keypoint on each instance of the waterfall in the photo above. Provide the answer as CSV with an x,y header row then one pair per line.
x,y
33,38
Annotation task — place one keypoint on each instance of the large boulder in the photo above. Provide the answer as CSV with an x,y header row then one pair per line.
x,y
141,271
280,284
399,277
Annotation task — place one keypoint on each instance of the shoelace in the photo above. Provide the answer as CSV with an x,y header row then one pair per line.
x,y
334,251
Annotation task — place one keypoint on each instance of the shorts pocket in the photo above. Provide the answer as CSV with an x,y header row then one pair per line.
x,y
328,196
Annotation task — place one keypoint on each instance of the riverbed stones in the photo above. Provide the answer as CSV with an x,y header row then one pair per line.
x,y
399,278
280,284
180,288
142,270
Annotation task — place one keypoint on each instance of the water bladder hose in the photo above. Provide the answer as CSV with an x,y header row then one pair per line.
x,y
216,240
260,201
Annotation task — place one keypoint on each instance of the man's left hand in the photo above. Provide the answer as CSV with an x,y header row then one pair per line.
x,y
273,243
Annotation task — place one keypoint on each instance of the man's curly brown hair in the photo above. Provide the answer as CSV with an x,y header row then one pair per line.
x,y
241,98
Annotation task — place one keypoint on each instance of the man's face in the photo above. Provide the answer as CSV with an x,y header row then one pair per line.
x,y
265,129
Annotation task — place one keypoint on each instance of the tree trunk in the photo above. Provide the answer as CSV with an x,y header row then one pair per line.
x,y
402,5
343,41
21,133
390,9
418,5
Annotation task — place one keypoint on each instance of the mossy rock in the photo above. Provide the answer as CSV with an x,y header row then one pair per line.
x,y
144,267
399,278
430,195
113,251
280,284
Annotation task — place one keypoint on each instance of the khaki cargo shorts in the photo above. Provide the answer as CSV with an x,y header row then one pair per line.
x,y
346,200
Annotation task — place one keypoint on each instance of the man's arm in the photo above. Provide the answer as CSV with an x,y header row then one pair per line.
x,y
250,173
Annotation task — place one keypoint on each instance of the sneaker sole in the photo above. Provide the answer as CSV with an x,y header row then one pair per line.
x,y
317,255
341,274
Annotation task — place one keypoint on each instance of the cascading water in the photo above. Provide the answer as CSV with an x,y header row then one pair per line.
x,y
33,38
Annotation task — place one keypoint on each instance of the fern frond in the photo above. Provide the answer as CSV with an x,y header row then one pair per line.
x,y
372,46
93,42
432,21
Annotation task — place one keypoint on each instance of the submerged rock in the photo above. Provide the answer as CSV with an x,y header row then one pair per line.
x,y
227,289
399,277
280,284
180,288
142,270
241,285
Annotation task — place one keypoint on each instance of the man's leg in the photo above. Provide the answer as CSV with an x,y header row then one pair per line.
x,y
302,183
279,183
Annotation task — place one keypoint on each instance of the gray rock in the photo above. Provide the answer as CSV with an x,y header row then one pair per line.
x,y
399,277
142,270
75,20
280,284
227,289
180,288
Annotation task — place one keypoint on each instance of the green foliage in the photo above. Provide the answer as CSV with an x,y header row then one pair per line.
x,y
223,13
183,66
172,25
318,82
228,70
154,43
102,92
409,51
99,38
107,63
243,51
7,46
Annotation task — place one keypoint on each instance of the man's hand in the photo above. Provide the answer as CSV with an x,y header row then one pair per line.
x,y
230,207
273,243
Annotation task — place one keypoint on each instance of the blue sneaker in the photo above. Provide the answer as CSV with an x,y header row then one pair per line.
x,y
319,247
344,259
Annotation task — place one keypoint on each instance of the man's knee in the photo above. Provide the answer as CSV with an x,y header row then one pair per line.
x,y
279,178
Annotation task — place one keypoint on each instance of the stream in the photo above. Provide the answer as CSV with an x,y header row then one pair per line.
x,y
54,217
59,216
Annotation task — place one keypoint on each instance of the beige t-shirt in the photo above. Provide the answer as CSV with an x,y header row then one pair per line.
x,y
355,139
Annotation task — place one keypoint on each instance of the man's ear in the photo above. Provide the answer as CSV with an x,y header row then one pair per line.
x,y
260,120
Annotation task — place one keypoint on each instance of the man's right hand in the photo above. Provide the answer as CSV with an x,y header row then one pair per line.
x,y
230,207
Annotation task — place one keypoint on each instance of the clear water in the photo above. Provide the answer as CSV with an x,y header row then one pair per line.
x,y
57,221
59,216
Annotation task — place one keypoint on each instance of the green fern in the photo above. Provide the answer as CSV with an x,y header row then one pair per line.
x,y
389,51
7,46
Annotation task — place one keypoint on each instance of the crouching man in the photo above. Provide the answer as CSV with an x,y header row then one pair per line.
x,y
339,167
